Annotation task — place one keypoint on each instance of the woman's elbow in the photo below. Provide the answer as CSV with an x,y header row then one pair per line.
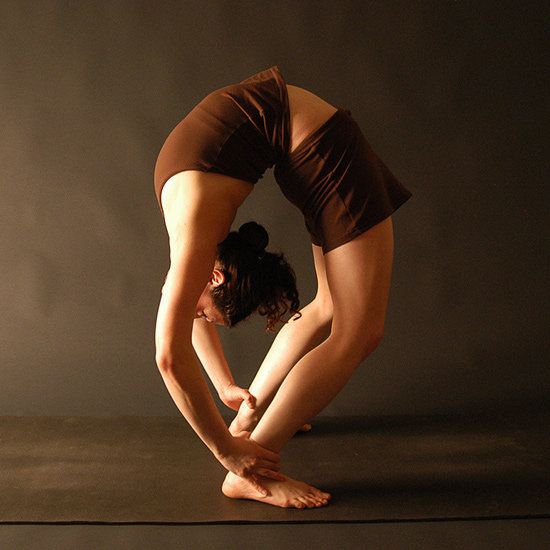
x,y
166,359
164,363
171,358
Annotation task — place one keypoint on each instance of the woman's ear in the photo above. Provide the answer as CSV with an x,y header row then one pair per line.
x,y
218,277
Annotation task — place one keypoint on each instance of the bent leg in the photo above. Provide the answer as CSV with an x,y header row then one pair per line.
x,y
359,277
293,341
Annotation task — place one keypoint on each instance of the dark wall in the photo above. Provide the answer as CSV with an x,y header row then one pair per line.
x,y
450,95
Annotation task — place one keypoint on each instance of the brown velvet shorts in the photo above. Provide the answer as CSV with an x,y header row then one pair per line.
x,y
334,177
338,182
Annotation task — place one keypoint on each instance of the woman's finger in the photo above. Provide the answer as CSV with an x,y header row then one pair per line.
x,y
258,486
250,400
270,455
243,433
269,465
272,475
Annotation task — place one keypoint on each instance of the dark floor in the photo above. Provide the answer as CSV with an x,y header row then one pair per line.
x,y
529,534
397,483
154,470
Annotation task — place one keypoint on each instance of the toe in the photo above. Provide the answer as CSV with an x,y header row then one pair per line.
x,y
307,501
321,499
314,502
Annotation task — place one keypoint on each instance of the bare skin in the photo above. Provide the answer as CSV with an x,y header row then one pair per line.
x,y
338,329
288,494
307,112
367,300
244,422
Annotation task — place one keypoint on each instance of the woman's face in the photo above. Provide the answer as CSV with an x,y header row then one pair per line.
x,y
205,305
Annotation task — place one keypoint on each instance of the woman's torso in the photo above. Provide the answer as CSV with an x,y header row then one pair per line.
x,y
307,112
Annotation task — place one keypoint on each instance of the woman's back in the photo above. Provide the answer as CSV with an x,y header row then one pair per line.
x,y
241,130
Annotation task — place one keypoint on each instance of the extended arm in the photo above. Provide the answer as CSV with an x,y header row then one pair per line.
x,y
180,371
197,218
208,347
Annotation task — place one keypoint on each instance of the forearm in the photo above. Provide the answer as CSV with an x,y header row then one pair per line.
x,y
190,393
208,347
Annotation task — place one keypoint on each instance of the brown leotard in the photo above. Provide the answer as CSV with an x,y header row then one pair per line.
x,y
333,176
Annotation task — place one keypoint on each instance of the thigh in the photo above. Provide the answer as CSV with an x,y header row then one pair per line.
x,y
359,275
323,298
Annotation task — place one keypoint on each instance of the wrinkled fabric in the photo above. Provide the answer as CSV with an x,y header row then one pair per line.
x,y
338,182
239,130
333,176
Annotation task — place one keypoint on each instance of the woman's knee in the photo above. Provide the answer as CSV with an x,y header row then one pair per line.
x,y
359,278
356,346
322,309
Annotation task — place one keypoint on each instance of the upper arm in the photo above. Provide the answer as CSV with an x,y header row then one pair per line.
x,y
189,272
197,219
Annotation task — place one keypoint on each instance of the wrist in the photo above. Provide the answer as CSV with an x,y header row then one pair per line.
x,y
223,447
223,386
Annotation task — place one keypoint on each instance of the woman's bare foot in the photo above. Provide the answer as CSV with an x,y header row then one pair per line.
x,y
286,494
243,423
248,422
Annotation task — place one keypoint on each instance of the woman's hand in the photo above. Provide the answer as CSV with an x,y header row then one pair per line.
x,y
250,461
232,396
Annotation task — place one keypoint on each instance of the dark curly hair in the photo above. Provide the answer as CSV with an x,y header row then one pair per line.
x,y
256,280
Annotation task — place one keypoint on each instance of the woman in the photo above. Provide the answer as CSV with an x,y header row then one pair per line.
x,y
323,164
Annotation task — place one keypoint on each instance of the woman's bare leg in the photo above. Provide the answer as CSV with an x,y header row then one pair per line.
x,y
359,276
292,342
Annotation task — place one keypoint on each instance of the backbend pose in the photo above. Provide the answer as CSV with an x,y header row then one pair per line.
x,y
323,164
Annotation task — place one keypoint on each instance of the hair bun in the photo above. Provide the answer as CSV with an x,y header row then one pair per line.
x,y
254,235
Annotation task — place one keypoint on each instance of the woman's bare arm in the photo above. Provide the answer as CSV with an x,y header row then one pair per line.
x,y
208,347
175,356
180,371
198,215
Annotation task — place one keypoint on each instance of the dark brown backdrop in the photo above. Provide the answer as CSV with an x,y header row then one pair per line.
x,y
451,96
